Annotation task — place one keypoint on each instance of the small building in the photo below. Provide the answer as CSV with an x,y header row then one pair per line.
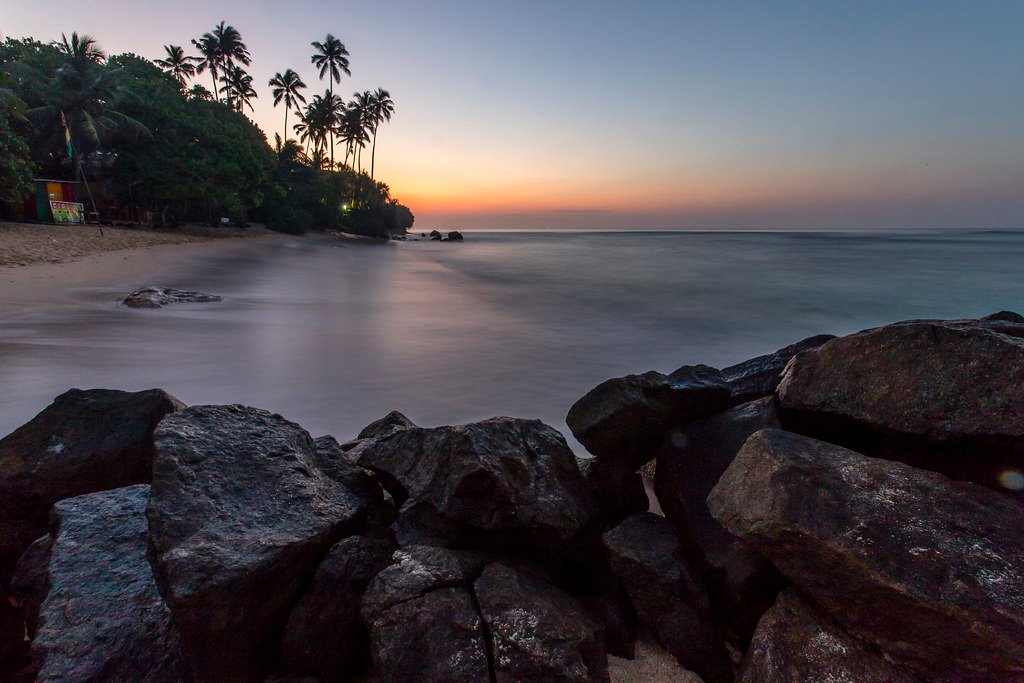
x,y
64,193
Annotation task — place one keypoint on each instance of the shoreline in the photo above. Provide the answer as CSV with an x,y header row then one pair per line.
x,y
145,255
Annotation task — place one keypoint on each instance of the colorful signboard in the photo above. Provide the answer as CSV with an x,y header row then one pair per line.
x,y
67,212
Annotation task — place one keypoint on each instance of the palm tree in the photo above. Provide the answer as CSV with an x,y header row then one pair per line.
x,y
177,64
209,59
230,49
238,88
80,49
302,128
381,109
286,88
361,111
331,57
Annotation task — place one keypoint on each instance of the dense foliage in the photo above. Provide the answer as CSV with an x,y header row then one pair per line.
x,y
151,144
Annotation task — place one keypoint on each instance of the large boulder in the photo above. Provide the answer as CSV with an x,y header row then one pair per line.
x,y
742,583
103,618
618,491
502,475
84,441
386,426
325,636
794,641
926,568
158,297
759,377
537,632
240,516
942,395
423,620
668,593
626,418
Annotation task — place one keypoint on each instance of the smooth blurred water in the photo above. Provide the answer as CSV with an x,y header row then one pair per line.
x,y
504,324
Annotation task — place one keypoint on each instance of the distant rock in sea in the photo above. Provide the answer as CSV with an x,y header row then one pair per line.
x,y
158,297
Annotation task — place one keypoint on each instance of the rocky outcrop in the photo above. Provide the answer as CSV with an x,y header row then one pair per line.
x,y
760,377
499,475
742,583
537,632
942,395
103,618
455,236
667,593
158,297
240,516
423,621
325,634
796,642
927,569
386,426
626,418
84,441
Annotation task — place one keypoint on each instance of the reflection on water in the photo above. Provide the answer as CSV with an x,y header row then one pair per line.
x,y
517,324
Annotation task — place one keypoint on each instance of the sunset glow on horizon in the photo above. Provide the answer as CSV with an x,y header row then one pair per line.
x,y
872,115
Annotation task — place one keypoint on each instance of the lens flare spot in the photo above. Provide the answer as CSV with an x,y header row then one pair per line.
x,y
1012,479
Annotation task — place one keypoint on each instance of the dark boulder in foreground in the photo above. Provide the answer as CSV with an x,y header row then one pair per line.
x,y
84,441
693,459
618,491
325,636
158,297
796,642
926,568
498,475
240,516
942,395
668,593
626,418
103,618
423,620
31,581
537,632
760,377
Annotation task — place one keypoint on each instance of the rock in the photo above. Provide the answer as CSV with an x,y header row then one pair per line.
x,y
537,632
386,426
455,236
423,620
626,418
433,233
926,568
325,636
667,593
1005,316
794,641
613,610
240,516
84,441
158,297
31,582
742,583
760,377
618,491
13,646
942,395
103,618
499,475
340,466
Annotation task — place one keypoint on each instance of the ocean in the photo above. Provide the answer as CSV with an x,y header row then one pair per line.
x,y
334,335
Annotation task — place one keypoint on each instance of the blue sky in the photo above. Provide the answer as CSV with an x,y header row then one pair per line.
x,y
650,114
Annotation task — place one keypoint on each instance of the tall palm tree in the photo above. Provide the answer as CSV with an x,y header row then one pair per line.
x,y
209,59
302,128
286,88
230,49
330,57
238,88
361,111
177,64
80,49
382,107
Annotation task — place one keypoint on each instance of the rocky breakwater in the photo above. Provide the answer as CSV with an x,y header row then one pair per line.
x,y
228,544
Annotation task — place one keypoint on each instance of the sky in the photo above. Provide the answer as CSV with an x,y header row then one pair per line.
x,y
823,114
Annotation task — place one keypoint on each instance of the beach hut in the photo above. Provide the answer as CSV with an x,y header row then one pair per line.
x,y
57,201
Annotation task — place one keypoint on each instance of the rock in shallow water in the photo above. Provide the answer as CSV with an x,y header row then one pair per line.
x,y
158,297
84,441
944,395
103,618
927,569
240,516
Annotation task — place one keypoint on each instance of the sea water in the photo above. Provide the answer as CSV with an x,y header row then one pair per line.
x,y
334,335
